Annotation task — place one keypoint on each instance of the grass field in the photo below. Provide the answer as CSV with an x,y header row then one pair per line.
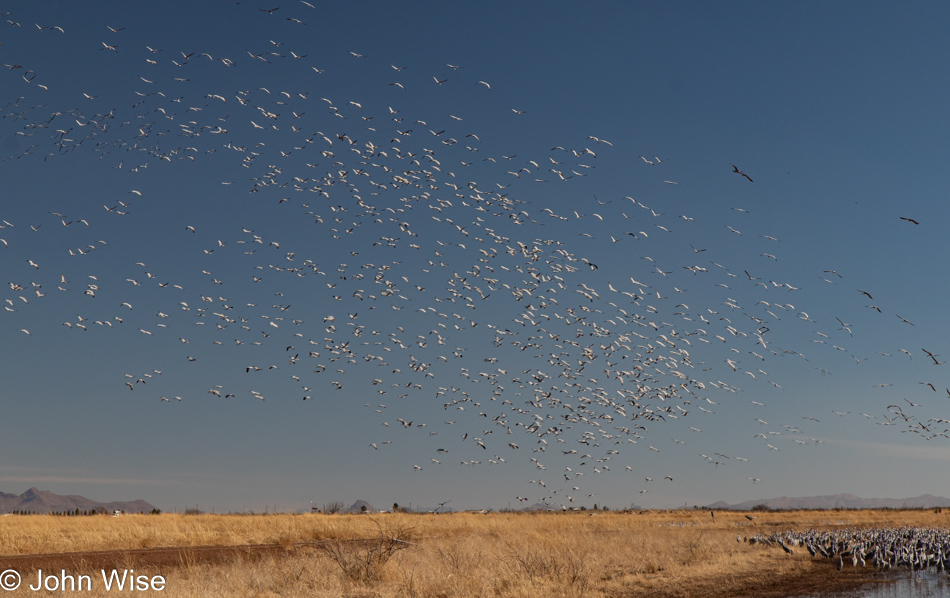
x,y
507,555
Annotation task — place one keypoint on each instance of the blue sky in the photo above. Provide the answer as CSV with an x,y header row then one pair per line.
x,y
397,206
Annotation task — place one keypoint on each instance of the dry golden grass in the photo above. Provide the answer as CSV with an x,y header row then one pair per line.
x,y
37,534
670,553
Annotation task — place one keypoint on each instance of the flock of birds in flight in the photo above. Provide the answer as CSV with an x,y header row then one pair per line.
x,y
372,262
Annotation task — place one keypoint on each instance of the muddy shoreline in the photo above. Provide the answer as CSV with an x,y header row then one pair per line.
x,y
820,579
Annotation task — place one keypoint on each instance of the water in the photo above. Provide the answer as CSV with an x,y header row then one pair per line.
x,y
924,584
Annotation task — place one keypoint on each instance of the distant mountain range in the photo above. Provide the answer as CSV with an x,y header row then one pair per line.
x,y
44,501
839,501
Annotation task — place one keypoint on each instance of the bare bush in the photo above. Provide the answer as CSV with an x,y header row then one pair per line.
x,y
694,551
362,561
333,507
458,560
562,566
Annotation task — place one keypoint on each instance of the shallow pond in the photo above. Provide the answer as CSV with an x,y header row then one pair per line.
x,y
924,584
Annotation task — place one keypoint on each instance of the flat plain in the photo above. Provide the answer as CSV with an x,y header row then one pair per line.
x,y
665,554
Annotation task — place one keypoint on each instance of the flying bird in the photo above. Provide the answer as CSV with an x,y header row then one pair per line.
x,y
736,170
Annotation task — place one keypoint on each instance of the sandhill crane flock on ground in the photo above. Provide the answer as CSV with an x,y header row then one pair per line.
x,y
273,220
916,549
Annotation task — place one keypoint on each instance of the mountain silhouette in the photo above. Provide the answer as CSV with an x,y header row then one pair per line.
x,y
35,500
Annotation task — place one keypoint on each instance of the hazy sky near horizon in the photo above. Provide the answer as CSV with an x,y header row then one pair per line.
x,y
267,254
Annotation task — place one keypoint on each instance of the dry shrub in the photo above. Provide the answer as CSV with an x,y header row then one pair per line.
x,y
693,551
362,561
458,560
562,566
